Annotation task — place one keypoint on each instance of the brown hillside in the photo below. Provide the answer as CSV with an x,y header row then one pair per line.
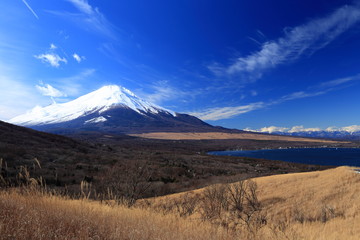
x,y
314,205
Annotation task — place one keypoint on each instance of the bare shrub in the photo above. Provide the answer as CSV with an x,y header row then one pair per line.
x,y
214,202
323,214
327,213
186,206
233,205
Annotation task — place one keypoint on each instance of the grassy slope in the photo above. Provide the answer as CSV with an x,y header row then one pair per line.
x,y
313,205
295,204
312,197
38,217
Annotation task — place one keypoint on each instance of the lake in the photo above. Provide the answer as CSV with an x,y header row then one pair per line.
x,y
319,156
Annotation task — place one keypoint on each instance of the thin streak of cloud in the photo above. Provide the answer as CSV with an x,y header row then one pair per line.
x,y
339,81
227,112
31,10
74,85
162,91
298,41
89,16
219,113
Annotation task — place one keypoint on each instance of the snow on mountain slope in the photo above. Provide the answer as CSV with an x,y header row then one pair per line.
x,y
349,132
99,101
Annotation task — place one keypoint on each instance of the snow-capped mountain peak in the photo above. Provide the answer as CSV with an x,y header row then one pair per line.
x,y
98,101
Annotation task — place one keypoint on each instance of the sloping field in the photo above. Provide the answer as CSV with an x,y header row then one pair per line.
x,y
220,135
315,205
34,216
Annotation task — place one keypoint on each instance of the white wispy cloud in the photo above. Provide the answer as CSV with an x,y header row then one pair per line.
x,y
229,112
219,113
52,58
50,91
271,129
83,6
30,8
296,42
16,95
349,129
75,84
89,16
162,91
301,128
339,81
296,129
78,58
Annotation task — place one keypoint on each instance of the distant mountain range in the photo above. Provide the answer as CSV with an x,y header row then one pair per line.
x,y
345,133
112,109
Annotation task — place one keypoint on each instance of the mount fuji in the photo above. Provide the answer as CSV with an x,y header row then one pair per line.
x,y
112,109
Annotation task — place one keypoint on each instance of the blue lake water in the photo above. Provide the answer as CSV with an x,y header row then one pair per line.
x,y
319,156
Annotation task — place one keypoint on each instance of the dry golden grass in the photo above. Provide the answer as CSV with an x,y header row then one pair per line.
x,y
220,135
49,217
314,205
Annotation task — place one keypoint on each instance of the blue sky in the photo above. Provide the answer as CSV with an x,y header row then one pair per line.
x,y
238,64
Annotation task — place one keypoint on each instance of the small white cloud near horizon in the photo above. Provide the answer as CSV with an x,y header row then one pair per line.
x,y
52,58
50,91
78,58
351,129
270,129
296,129
301,128
301,40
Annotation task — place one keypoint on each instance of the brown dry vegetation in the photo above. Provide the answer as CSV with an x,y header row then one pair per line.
x,y
33,216
314,205
222,135
175,166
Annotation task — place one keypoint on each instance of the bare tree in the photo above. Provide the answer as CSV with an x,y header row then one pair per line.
x,y
130,182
